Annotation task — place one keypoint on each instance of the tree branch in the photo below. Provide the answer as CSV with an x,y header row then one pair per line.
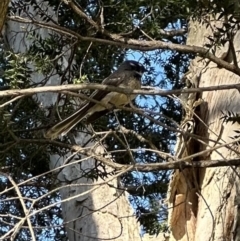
x,y
139,167
92,86
78,11
143,45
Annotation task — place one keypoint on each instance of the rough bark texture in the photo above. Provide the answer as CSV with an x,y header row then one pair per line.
x,y
3,12
205,202
218,204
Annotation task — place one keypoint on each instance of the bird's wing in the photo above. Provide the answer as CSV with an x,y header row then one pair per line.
x,y
96,115
115,79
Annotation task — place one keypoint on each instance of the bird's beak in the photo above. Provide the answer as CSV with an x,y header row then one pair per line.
x,y
142,70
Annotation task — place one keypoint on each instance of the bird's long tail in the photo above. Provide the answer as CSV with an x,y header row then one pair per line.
x,y
63,127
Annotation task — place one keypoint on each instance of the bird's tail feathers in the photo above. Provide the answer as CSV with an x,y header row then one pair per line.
x,y
63,127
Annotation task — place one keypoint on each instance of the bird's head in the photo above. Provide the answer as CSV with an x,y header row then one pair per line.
x,y
132,65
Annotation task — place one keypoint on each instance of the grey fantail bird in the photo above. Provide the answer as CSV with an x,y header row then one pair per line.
x,y
128,75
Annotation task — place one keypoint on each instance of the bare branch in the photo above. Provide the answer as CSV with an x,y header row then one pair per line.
x,y
181,164
92,86
171,33
26,212
143,45
78,11
10,101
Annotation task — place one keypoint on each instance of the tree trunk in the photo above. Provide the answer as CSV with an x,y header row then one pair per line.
x,y
3,12
94,209
204,202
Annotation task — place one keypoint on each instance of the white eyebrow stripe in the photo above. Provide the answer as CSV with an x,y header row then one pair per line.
x,y
140,73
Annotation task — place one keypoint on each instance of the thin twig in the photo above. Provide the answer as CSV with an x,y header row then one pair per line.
x,y
26,212
83,60
12,100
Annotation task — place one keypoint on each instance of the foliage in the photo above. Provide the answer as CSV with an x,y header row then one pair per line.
x,y
230,117
46,57
23,122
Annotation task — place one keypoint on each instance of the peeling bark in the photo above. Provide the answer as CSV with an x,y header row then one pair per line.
x,y
209,197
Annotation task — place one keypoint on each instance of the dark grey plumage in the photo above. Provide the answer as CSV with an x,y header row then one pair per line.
x,y
127,75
